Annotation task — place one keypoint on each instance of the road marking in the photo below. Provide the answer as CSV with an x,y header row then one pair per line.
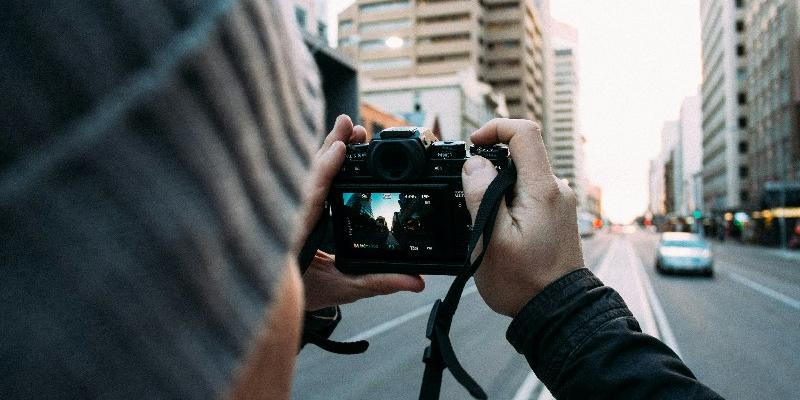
x,y
765,290
391,324
527,388
531,384
664,329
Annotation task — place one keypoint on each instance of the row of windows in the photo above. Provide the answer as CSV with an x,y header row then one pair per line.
x,y
385,25
443,58
384,6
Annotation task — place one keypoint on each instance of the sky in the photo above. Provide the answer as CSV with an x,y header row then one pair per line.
x,y
637,61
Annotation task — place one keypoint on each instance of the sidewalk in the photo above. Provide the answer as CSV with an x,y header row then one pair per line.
x,y
789,255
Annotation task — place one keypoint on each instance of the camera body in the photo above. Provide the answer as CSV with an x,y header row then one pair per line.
x,y
397,204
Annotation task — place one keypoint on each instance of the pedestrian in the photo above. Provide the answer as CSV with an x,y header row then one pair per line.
x,y
160,171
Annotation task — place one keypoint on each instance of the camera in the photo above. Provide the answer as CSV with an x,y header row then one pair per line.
x,y
397,204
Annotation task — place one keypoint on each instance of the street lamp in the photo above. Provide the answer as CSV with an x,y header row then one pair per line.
x,y
394,42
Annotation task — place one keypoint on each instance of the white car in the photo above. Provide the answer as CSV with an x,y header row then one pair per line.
x,y
684,252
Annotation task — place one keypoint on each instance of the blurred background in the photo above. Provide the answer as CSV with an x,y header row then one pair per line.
x,y
663,116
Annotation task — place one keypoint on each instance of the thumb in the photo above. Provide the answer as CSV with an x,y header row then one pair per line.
x,y
476,176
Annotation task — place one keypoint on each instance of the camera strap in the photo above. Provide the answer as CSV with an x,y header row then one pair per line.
x,y
304,259
439,355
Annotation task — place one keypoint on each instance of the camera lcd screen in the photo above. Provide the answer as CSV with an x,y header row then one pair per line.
x,y
393,222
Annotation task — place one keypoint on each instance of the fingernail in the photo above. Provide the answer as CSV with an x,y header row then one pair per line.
x,y
475,164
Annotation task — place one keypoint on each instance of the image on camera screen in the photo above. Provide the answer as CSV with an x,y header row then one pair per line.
x,y
390,221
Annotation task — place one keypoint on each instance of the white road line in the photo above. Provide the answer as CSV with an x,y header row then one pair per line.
x,y
424,310
765,290
529,385
658,312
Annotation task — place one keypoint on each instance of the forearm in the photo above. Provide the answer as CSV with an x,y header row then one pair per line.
x,y
582,341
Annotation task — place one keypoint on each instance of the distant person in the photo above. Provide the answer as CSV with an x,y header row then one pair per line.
x,y
160,169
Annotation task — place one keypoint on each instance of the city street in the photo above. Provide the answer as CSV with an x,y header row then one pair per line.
x,y
738,331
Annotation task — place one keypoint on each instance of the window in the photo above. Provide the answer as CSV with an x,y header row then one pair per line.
x,y
300,16
745,195
385,25
322,30
383,6
563,52
377,44
740,50
743,122
739,26
743,172
741,98
743,147
443,58
443,38
739,3
741,74
443,18
345,23
387,63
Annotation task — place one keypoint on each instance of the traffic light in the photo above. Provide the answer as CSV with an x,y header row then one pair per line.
x,y
697,214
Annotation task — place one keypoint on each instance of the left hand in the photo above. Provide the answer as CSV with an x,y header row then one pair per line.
x,y
325,285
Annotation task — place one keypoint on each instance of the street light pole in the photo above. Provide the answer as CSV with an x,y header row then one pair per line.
x,y
782,221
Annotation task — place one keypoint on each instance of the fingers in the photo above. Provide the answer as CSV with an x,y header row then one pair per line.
x,y
476,176
359,134
381,284
524,139
343,131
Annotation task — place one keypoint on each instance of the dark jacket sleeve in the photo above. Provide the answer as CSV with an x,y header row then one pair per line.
x,y
583,342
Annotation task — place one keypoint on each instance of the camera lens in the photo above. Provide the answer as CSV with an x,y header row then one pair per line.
x,y
397,160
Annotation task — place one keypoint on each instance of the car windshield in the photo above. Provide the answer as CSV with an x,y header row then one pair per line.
x,y
684,243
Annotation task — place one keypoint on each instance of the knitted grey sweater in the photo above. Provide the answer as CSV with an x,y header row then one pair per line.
x,y
151,162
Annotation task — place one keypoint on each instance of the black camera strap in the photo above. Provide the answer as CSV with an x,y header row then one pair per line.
x,y
306,256
439,354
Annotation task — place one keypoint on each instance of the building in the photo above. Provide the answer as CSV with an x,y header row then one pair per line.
x,y
514,55
664,187
311,16
723,104
375,120
690,137
408,40
594,201
772,96
566,144
458,103
338,73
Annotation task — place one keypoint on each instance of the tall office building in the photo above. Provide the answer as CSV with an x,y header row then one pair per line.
x,y
724,111
500,40
565,140
514,58
773,100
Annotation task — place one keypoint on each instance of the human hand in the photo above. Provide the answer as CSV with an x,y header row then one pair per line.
x,y
326,164
327,286
535,239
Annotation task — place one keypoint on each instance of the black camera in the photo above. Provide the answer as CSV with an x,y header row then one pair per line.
x,y
397,205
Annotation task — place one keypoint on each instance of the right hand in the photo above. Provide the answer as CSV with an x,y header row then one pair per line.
x,y
535,239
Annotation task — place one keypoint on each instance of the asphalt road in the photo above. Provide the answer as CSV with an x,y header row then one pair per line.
x,y
739,331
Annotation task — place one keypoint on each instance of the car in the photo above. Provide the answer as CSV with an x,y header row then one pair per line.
x,y
684,252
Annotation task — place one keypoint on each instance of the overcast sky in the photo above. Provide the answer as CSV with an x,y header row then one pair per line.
x,y
638,60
